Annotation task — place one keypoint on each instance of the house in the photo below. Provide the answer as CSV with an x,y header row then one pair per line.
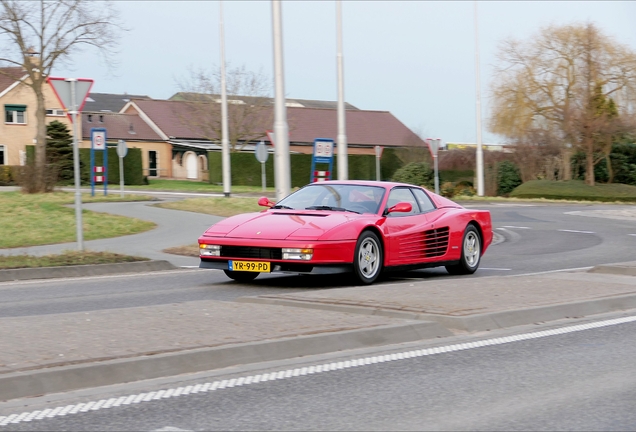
x,y
155,152
19,104
183,125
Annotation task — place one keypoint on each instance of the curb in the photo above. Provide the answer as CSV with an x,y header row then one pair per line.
x,y
66,378
628,269
83,270
477,322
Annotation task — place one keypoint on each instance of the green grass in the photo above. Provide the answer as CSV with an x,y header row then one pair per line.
x,y
575,190
196,186
64,259
39,219
215,206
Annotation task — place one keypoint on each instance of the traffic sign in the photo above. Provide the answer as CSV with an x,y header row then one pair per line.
x,y
433,145
63,89
122,148
261,152
98,138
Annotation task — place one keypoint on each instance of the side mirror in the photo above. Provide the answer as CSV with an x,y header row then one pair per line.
x,y
401,207
265,202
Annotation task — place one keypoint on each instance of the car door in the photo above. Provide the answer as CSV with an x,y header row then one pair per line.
x,y
404,231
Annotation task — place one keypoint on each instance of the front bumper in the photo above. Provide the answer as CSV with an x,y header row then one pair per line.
x,y
279,267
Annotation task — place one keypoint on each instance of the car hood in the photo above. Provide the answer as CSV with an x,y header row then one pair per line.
x,y
280,225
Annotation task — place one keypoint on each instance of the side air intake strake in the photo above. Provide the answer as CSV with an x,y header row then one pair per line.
x,y
436,242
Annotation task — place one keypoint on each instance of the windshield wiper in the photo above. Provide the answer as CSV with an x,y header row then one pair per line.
x,y
331,208
280,206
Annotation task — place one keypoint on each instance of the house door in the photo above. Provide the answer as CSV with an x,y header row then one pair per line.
x,y
191,166
152,163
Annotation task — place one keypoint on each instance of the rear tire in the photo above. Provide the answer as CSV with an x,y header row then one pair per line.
x,y
368,258
471,253
241,276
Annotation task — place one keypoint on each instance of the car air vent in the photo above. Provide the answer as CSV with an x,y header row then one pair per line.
x,y
301,214
251,252
436,242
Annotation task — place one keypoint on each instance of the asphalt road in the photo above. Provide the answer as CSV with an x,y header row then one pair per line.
x,y
582,380
538,238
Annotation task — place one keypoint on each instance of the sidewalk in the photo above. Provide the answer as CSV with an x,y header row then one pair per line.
x,y
56,353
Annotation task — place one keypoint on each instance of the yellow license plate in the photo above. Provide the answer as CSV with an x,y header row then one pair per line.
x,y
249,266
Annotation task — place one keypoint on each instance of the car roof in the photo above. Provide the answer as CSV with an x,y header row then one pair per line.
x,y
384,184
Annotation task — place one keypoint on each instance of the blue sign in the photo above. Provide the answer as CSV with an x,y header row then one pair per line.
x,y
99,173
323,155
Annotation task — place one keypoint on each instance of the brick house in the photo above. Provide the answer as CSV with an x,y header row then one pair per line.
x,y
18,128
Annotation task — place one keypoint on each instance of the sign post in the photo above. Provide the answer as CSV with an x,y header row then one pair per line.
x,y
433,146
323,154
99,173
262,155
122,151
378,156
72,92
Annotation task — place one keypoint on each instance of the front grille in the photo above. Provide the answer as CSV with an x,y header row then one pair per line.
x,y
436,242
251,252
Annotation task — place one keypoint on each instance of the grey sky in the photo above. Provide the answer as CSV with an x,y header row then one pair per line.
x,y
412,58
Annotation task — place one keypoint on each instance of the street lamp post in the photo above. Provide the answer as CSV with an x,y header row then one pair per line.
x,y
225,142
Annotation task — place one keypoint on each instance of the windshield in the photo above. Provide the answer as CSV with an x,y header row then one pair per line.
x,y
335,197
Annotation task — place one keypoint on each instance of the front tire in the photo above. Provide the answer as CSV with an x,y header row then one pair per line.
x,y
471,253
368,258
241,276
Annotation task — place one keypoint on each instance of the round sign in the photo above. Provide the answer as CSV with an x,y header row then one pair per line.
x,y
122,149
261,152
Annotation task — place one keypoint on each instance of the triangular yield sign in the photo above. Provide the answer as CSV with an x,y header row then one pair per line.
x,y
62,89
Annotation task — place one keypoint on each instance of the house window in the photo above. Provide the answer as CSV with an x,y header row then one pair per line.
x,y
2,153
152,163
15,114
54,112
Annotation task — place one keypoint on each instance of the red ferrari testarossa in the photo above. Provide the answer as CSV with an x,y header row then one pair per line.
x,y
364,227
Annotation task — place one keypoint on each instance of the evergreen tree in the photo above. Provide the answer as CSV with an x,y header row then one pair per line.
x,y
59,150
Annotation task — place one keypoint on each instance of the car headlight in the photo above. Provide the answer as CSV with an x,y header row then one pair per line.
x,y
298,254
209,250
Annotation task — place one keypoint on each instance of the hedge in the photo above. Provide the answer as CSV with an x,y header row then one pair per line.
x,y
133,168
246,170
575,190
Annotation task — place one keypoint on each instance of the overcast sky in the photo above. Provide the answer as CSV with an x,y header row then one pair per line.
x,y
415,59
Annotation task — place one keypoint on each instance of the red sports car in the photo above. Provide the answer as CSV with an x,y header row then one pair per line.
x,y
364,227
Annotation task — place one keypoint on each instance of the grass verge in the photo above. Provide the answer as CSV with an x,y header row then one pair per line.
x,y
39,219
215,206
187,250
197,186
64,259
575,190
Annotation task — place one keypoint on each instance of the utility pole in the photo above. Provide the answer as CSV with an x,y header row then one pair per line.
x,y
480,150
282,174
343,162
225,141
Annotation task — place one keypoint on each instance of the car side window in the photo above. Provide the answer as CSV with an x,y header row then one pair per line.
x,y
426,205
402,194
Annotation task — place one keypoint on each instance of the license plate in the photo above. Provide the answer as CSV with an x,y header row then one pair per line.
x,y
249,266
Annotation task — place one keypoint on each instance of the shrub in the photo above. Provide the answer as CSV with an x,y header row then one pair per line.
x,y
416,173
508,177
447,189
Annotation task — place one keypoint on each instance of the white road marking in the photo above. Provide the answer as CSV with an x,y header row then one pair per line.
x,y
632,235
575,231
516,227
291,373
497,269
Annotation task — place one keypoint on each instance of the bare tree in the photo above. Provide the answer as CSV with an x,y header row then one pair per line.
x,y
38,35
546,85
249,104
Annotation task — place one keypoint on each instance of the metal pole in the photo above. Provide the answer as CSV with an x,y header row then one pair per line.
x,y
263,178
225,142
282,174
343,163
480,152
76,168
121,176
435,167
377,168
